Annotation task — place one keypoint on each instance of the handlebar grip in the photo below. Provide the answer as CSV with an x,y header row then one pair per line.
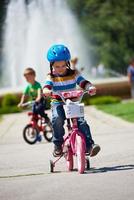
x,y
92,91
28,103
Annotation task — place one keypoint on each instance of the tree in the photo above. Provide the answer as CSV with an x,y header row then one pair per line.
x,y
108,26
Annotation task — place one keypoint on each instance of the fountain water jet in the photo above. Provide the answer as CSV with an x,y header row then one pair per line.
x,y
30,29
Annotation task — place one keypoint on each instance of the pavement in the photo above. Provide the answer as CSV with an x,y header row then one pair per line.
x,y
25,173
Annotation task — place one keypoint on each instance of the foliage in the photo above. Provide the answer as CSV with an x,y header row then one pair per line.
x,y
105,100
8,104
109,28
9,100
11,109
101,100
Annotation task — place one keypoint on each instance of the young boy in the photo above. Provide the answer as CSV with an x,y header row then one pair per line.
x,y
33,92
63,78
130,74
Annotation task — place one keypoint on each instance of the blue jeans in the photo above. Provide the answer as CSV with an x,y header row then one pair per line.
x,y
39,108
58,119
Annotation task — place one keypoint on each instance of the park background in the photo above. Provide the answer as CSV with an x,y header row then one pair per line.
x,y
99,33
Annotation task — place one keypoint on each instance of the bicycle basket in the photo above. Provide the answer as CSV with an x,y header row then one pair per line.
x,y
74,110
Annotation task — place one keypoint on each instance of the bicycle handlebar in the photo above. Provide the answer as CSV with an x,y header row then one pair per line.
x,y
29,103
72,94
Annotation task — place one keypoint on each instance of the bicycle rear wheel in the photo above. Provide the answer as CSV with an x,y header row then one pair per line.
x,y
80,152
30,134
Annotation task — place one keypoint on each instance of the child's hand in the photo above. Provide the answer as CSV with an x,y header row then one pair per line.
x,y
47,92
92,90
19,105
37,99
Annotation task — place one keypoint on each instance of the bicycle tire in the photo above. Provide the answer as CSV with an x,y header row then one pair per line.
x,y
80,152
30,134
48,133
69,160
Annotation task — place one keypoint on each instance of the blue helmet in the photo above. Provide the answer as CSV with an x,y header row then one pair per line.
x,y
58,52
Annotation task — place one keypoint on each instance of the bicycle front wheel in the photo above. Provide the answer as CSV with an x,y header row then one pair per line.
x,y
80,152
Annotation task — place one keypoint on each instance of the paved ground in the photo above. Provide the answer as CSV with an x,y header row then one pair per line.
x,y
24,169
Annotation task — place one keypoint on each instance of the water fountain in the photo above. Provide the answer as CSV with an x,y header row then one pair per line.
x,y
30,29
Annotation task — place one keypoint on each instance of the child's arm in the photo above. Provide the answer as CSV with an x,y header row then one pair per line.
x,y
47,89
22,100
39,92
85,84
129,75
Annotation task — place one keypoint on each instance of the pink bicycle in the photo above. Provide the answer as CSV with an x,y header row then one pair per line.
x,y
74,143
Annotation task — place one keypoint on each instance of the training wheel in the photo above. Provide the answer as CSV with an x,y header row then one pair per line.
x,y
87,164
51,166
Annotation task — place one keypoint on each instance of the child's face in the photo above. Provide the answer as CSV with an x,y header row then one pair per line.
x,y
30,78
60,67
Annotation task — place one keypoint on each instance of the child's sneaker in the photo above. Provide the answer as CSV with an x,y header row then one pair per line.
x,y
57,151
94,150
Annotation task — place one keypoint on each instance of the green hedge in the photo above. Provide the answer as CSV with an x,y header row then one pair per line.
x,y
9,100
7,110
101,100
8,104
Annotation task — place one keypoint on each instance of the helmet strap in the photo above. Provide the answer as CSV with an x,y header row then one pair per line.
x,y
51,68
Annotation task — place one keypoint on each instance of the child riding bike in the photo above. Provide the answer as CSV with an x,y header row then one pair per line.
x,y
62,78
33,91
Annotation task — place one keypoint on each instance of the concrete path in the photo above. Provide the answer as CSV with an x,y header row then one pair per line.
x,y
24,169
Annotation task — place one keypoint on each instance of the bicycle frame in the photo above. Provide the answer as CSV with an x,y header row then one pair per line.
x,y
72,136
35,120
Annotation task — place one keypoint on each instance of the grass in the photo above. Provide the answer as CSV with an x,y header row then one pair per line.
x,y
122,110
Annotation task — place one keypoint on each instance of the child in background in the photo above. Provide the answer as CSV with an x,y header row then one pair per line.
x,y
74,63
33,91
130,74
63,78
